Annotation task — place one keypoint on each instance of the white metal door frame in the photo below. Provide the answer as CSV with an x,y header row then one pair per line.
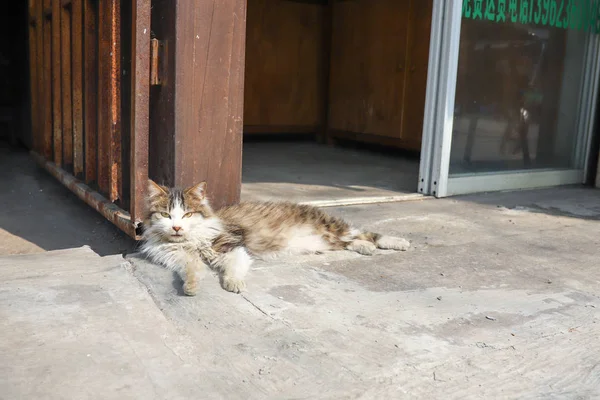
x,y
438,120
439,101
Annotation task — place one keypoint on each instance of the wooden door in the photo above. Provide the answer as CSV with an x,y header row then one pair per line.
x,y
91,67
88,131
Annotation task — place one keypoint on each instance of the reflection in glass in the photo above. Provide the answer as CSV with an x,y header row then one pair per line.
x,y
517,96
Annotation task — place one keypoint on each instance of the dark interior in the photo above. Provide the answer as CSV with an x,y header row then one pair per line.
x,y
14,75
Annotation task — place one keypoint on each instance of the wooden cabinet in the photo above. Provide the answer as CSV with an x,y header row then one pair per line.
x,y
378,76
285,67
356,67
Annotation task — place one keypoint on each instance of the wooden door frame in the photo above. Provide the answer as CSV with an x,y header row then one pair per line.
x,y
196,111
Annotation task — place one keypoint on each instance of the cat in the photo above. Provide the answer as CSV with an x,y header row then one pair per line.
x,y
183,233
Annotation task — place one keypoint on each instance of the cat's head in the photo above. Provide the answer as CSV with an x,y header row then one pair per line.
x,y
175,214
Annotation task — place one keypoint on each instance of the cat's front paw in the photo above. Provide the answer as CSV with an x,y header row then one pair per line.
x,y
189,288
233,285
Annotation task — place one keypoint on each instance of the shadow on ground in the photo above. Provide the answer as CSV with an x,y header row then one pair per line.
x,y
38,213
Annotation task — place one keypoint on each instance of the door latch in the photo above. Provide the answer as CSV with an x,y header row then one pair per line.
x,y
157,50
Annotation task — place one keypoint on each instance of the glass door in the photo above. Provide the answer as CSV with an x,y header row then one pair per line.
x,y
511,94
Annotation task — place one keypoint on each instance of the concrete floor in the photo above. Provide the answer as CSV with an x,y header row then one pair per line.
x,y
498,298
312,173
79,326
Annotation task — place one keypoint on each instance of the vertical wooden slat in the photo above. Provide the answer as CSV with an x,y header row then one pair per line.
x,y
126,82
47,113
66,94
103,94
56,87
34,26
77,76
116,165
109,102
140,92
90,84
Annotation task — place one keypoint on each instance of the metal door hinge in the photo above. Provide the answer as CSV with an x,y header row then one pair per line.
x,y
157,50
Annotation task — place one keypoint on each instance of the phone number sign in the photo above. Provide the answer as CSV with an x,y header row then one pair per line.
x,y
565,14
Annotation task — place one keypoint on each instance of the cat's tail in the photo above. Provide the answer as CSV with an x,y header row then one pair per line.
x,y
367,242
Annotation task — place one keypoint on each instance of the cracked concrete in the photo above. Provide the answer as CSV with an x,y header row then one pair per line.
x,y
79,326
498,298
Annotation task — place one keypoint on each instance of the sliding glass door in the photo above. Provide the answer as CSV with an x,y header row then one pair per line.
x,y
511,94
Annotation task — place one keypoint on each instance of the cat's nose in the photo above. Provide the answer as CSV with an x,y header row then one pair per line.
x,y
176,228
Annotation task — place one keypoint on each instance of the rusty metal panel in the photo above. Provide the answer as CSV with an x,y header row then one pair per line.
x,y
56,81
66,91
140,75
77,76
90,84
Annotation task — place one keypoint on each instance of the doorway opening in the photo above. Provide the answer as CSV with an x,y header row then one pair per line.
x,y
14,76
334,99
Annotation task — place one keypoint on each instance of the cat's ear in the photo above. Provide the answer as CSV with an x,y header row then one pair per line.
x,y
154,189
198,190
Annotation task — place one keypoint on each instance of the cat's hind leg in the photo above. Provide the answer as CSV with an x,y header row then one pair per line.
x,y
234,266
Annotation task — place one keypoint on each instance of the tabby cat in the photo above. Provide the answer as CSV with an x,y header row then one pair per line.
x,y
184,234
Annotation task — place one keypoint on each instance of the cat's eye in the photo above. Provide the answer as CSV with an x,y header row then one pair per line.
x,y
165,215
187,215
